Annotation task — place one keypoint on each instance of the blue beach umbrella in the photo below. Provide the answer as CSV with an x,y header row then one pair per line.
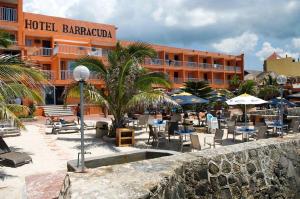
x,y
277,101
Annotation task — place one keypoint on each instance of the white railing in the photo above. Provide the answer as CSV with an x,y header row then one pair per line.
x,y
48,74
218,81
177,80
204,65
155,62
238,69
68,75
230,68
218,66
173,63
191,64
193,79
80,50
39,51
8,14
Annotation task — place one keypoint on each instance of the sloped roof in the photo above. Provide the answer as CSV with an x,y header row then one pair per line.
x,y
274,55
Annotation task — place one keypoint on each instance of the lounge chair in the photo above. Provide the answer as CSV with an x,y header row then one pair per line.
x,y
58,127
8,129
11,158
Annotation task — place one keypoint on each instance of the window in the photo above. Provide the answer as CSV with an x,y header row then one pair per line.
x,y
228,63
166,56
205,76
28,42
176,57
204,61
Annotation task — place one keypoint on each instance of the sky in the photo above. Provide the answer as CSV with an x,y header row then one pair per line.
x,y
256,28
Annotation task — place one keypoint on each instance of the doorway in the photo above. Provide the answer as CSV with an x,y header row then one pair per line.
x,y
59,90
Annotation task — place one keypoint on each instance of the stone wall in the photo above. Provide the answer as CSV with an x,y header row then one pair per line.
x,y
263,169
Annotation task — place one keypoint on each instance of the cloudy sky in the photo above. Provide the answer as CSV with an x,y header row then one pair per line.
x,y
255,27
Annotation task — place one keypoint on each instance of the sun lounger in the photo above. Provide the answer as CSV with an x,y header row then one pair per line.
x,y
58,127
11,158
8,129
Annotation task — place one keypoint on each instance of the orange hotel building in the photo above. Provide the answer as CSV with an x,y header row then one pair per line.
x,y
55,43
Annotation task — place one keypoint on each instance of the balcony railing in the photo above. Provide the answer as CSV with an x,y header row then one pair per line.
x,y
68,75
238,69
218,81
154,62
177,80
204,65
191,64
193,79
218,67
8,14
80,50
230,68
36,51
48,74
173,63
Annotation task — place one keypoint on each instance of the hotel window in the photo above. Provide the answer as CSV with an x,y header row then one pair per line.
x,y
205,76
204,61
228,63
166,56
28,42
176,57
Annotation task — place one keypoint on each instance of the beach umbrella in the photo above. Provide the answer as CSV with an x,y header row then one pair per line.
x,y
277,101
245,99
185,98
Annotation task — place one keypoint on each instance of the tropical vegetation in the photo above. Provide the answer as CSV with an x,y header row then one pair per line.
x,y
198,88
127,84
18,79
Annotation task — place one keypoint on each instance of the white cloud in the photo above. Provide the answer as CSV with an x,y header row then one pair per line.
x,y
243,43
174,13
267,49
296,42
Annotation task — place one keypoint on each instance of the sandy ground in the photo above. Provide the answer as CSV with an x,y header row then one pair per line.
x,y
43,177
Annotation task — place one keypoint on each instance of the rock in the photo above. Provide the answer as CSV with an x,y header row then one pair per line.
x,y
252,154
283,162
231,179
225,193
222,180
240,157
213,168
236,167
226,166
251,168
214,183
236,192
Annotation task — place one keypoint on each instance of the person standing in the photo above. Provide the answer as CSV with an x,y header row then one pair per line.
x,y
78,114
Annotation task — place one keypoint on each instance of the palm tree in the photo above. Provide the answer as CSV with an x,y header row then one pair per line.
x,y
199,89
248,86
235,82
128,85
5,39
18,80
268,92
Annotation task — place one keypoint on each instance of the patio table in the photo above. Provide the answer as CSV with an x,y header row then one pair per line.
x,y
181,133
245,130
158,124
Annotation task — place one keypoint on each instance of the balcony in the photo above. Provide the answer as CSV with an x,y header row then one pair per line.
x,y
230,68
48,74
173,63
218,67
205,66
193,79
153,62
191,64
218,81
238,69
37,51
8,14
80,50
68,75
177,80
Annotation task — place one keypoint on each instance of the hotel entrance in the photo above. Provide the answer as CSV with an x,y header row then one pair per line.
x,y
54,95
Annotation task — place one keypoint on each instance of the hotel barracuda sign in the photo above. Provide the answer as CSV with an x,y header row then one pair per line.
x,y
67,28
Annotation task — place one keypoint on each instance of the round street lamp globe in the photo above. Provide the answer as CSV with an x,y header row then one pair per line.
x,y
281,79
81,73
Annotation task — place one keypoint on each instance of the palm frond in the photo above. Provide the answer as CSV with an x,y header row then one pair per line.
x,y
146,99
147,80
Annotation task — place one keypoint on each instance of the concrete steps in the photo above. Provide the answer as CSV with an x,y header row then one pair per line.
x,y
57,110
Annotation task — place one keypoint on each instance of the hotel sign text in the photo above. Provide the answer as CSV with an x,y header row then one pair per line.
x,y
66,28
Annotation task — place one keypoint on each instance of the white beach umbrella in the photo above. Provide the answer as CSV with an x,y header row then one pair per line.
x,y
245,99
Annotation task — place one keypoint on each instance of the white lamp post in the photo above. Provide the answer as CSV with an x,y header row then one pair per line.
x,y
81,74
281,80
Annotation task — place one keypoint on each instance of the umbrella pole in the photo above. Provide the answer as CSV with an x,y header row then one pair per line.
x,y
245,116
